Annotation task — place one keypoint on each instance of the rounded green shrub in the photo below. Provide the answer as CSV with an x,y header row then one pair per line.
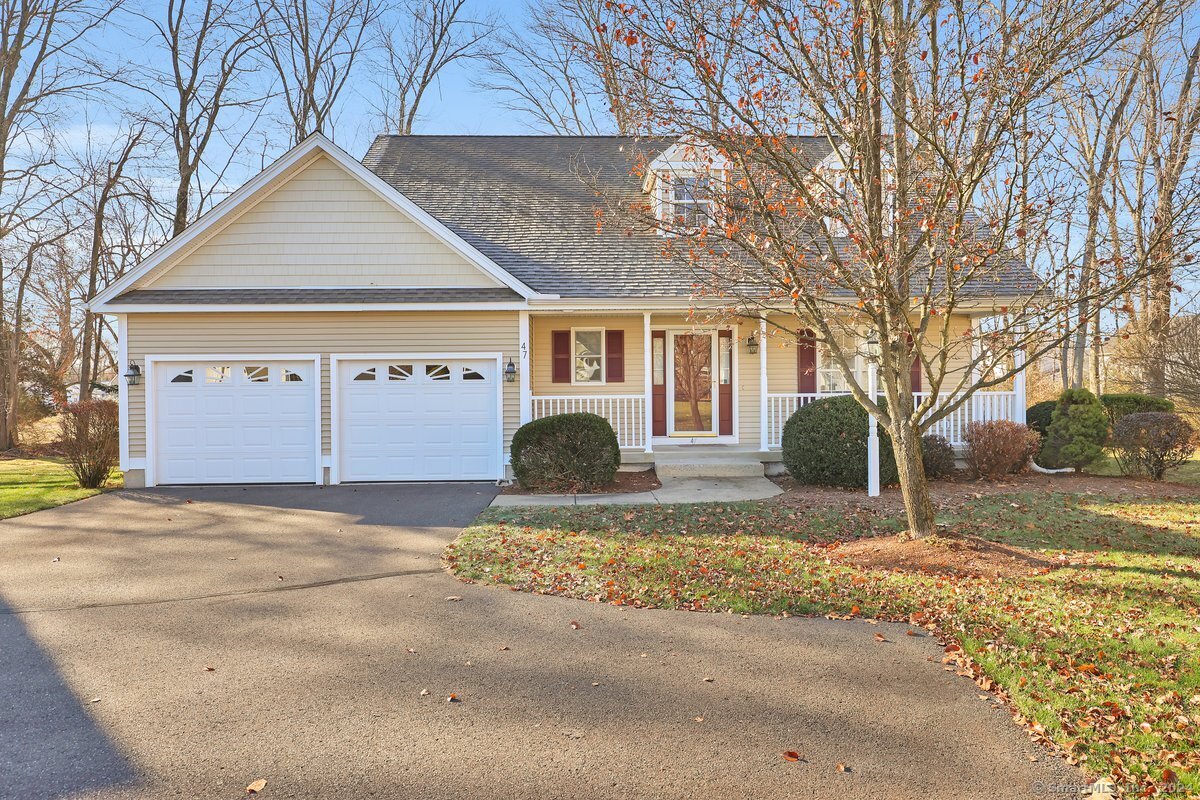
x,y
937,454
565,453
1078,431
825,444
1118,405
1038,415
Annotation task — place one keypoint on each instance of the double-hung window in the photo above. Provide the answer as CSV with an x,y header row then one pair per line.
x,y
587,347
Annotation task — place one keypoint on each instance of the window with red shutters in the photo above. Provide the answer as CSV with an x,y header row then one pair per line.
x,y
614,356
560,345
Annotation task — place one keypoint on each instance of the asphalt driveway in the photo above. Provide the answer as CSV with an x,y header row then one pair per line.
x,y
181,644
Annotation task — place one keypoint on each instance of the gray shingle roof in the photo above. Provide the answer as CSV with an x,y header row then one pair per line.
x,y
524,202
275,296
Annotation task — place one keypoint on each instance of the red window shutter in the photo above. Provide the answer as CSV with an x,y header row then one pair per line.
x,y
914,374
560,343
658,391
806,363
614,356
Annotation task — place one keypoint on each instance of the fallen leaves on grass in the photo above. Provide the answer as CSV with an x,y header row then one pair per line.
x,y
1089,646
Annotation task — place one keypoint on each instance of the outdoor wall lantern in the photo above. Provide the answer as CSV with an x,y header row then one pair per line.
x,y
133,375
510,371
752,344
873,348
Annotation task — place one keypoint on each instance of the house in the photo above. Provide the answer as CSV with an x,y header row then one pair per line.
x,y
398,319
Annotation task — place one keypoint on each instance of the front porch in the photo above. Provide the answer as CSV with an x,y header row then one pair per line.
x,y
673,386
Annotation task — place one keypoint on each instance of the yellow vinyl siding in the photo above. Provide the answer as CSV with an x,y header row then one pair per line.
x,y
542,354
325,333
321,227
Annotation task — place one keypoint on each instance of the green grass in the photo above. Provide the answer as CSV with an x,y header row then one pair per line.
x,y
1188,474
32,484
1101,657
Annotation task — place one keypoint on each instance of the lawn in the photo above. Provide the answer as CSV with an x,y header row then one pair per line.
x,y
1098,657
31,484
1188,474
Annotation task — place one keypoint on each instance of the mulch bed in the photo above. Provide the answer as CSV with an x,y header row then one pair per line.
x,y
641,481
946,554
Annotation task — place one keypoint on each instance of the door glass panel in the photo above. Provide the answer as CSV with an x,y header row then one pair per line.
x,y
437,372
659,346
693,383
256,374
726,355
399,372
216,374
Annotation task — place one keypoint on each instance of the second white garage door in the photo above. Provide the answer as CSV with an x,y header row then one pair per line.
x,y
417,420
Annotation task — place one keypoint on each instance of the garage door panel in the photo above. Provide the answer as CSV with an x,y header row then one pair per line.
x,y
425,420
235,422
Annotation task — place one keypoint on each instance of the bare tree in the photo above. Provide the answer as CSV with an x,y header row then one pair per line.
x,y
418,40
45,60
1095,104
559,70
1158,192
901,210
199,77
107,186
312,46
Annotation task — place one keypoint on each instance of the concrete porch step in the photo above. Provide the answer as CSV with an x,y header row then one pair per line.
x,y
683,466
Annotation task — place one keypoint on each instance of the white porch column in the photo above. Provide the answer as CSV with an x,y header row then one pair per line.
x,y
762,384
523,373
1019,386
873,433
648,402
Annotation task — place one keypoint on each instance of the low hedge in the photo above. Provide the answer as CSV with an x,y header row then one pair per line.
x,y
565,453
825,444
1118,405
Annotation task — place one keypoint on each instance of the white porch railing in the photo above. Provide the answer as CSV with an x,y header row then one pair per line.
x,y
980,407
780,408
626,413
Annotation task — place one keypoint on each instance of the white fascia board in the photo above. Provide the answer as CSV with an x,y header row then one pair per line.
x,y
262,180
193,308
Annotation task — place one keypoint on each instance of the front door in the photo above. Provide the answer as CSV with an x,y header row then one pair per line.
x,y
692,403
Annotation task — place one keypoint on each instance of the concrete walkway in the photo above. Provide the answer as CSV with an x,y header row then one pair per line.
x,y
673,490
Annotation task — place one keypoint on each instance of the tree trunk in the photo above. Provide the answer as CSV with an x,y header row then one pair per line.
x,y
914,486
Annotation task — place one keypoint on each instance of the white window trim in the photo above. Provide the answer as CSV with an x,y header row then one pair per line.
x,y
663,190
603,357
831,366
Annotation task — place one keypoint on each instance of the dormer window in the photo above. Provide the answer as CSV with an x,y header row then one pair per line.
x,y
688,204
683,183
842,194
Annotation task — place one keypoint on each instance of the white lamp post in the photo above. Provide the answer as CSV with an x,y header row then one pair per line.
x,y
873,351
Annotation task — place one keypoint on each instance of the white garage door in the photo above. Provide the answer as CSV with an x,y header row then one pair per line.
x,y
410,420
235,422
